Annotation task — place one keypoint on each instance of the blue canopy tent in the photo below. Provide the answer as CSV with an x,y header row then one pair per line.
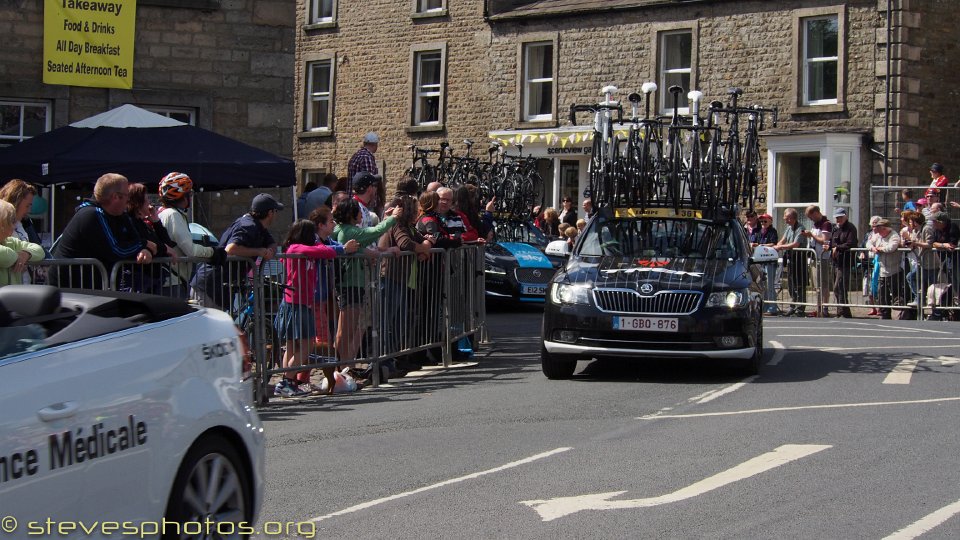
x,y
142,146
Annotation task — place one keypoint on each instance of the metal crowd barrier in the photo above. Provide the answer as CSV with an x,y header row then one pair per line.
x,y
913,291
369,311
68,273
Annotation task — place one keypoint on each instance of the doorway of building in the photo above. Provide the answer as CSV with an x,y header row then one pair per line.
x,y
569,182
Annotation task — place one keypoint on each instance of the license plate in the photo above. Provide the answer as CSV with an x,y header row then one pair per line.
x,y
645,324
538,290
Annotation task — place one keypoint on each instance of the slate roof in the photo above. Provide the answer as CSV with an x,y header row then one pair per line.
x,y
514,9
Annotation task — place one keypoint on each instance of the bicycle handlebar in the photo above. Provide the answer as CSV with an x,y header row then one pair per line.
x,y
574,109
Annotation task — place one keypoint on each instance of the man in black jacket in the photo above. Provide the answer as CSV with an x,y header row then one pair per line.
x,y
842,240
101,230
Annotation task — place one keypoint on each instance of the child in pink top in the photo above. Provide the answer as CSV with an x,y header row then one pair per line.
x,y
294,322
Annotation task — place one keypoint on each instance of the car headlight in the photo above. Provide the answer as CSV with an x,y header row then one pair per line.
x,y
492,269
562,293
728,299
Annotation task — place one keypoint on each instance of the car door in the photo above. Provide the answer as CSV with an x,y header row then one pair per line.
x,y
92,412
30,488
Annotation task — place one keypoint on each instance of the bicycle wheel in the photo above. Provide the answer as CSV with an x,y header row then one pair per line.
x,y
597,167
751,168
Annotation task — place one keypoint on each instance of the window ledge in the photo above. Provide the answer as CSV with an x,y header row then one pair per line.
x,y
320,26
429,14
536,124
318,134
819,109
424,129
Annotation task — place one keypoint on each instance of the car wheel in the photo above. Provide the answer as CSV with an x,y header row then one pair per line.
x,y
751,366
556,367
211,484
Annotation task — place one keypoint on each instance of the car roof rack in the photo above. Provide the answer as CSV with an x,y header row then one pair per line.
x,y
684,164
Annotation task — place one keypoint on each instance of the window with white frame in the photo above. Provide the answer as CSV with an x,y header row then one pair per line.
x,y
676,59
427,6
538,84
20,120
428,87
322,11
319,93
820,46
821,169
186,115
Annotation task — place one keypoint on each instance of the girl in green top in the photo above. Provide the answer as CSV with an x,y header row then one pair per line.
x,y
352,280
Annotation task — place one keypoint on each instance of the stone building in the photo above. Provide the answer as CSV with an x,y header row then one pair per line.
x,y
425,71
223,65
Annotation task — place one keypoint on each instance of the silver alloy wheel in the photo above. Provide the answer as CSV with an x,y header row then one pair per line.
x,y
214,494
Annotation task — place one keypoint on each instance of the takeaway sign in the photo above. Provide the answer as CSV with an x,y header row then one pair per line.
x,y
89,42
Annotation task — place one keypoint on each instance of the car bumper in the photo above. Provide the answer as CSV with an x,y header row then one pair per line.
x,y
508,289
584,331
591,351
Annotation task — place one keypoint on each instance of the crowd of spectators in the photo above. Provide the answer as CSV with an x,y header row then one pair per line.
x,y
907,269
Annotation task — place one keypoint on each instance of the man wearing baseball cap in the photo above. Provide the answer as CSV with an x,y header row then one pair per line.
x,y
364,186
842,241
363,159
247,237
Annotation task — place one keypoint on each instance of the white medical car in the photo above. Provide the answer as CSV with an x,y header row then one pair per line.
x,y
122,408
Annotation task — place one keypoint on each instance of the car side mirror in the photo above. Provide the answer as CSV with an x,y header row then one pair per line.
x,y
557,248
764,255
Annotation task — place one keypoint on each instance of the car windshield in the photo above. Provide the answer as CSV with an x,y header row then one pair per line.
x,y
659,237
519,232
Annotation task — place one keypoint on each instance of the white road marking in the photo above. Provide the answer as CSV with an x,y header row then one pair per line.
x,y
871,337
778,353
710,396
902,372
375,502
926,523
947,361
927,330
852,329
799,408
831,349
550,509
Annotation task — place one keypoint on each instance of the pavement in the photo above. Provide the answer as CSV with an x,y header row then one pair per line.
x,y
851,430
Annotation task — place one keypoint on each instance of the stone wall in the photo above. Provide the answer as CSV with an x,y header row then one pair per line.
x,y
372,43
749,44
925,88
232,64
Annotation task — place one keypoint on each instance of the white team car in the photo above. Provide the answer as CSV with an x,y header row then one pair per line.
x,y
123,408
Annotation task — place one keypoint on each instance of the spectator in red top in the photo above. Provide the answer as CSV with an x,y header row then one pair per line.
x,y
363,160
937,179
455,223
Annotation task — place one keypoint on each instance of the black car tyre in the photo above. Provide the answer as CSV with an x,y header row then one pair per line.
x,y
212,484
556,367
751,366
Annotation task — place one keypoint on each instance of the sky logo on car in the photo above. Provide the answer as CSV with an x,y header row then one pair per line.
x,y
527,256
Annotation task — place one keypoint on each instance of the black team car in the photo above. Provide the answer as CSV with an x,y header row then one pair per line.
x,y
666,284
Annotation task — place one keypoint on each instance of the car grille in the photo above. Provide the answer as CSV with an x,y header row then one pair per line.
x,y
662,303
533,275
